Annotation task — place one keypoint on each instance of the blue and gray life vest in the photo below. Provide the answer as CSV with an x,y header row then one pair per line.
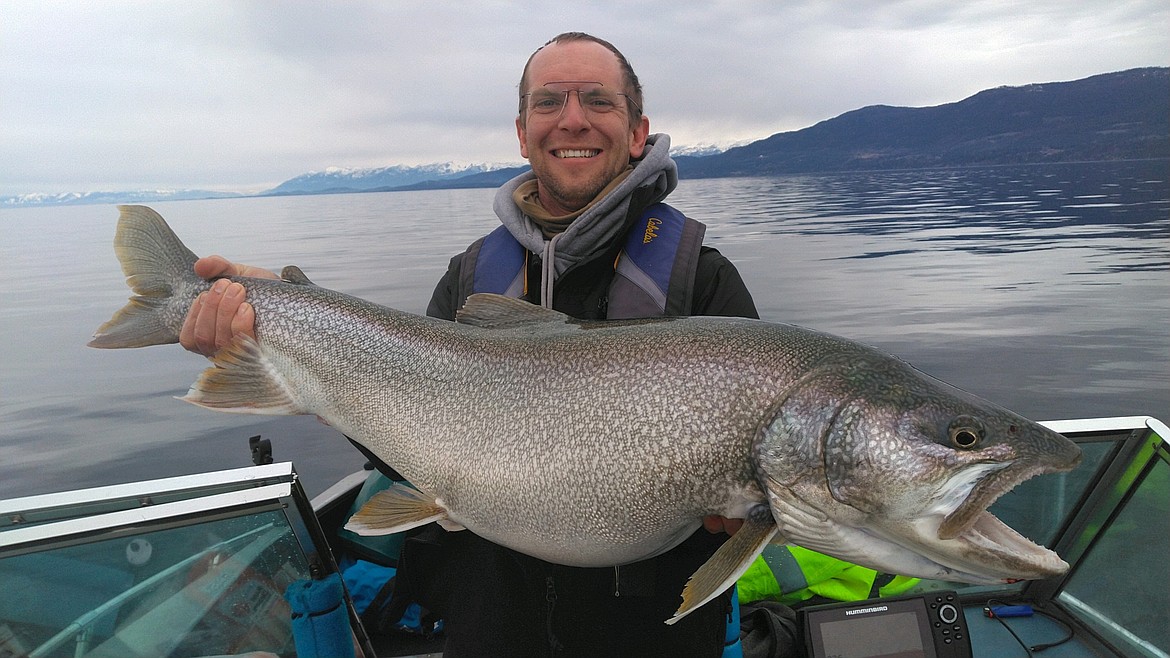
x,y
654,274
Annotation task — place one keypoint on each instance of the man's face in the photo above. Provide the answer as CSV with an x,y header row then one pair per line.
x,y
576,153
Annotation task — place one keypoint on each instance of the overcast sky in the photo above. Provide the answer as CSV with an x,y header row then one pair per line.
x,y
240,96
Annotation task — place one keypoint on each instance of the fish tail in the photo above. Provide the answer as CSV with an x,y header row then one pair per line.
x,y
159,269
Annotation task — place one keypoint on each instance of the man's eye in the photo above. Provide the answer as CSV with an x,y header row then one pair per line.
x,y
546,103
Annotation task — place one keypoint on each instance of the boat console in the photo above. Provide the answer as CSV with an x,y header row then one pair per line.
x,y
916,625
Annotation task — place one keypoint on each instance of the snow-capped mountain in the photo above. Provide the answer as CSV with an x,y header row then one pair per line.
x,y
338,179
331,180
699,150
84,198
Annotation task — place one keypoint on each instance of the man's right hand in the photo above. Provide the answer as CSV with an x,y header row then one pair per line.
x,y
220,313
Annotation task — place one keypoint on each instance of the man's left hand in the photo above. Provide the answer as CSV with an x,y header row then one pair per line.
x,y
717,524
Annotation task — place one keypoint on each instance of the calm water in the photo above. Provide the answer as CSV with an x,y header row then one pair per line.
x,y
1045,289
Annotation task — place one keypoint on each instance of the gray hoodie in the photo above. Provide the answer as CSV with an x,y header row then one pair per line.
x,y
598,226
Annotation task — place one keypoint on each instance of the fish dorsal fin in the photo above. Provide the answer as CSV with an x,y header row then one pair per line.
x,y
491,311
293,274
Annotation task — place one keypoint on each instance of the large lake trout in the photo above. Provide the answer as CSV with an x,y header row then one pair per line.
x,y
603,443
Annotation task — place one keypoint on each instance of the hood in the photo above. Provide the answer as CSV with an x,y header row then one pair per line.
x,y
598,225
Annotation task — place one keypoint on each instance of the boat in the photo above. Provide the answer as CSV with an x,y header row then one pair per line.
x,y
199,566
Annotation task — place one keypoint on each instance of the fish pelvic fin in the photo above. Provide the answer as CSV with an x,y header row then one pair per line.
x,y
400,507
728,563
156,264
243,381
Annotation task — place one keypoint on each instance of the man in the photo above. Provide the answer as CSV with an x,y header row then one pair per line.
x,y
566,244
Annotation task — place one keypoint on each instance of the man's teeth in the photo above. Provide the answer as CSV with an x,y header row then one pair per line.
x,y
576,153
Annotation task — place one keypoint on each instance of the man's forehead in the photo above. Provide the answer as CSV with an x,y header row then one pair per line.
x,y
576,60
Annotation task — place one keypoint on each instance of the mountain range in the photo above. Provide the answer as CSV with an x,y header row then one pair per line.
x,y
1113,116
436,176
335,179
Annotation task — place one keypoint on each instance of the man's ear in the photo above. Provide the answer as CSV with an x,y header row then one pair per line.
x,y
521,134
638,140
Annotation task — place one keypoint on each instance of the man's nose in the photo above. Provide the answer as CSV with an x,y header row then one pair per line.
x,y
573,112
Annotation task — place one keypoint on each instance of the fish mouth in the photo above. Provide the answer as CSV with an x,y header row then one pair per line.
x,y
567,154
984,484
1021,558
1016,557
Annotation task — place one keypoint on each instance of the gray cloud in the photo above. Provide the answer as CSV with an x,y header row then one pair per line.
x,y
242,95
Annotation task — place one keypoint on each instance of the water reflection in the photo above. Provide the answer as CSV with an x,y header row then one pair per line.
x,y
997,202
1038,287
1042,288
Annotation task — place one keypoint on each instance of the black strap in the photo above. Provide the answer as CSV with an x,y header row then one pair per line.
x,y
376,462
880,581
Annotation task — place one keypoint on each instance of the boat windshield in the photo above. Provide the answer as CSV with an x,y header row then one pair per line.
x,y
198,576
1120,587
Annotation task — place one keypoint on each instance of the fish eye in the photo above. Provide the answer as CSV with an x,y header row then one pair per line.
x,y
965,432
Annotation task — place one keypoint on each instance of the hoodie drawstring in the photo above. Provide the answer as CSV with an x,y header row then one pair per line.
x,y
548,271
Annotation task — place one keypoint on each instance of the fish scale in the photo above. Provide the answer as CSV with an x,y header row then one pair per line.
x,y
603,443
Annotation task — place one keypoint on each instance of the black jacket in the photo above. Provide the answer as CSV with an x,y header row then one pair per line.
x,y
581,292
498,602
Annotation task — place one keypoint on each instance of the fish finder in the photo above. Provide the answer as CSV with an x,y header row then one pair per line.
x,y
929,625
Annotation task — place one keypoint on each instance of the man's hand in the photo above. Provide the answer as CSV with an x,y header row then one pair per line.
x,y
717,524
220,313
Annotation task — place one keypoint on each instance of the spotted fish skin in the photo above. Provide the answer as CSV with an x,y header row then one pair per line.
x,y
602,443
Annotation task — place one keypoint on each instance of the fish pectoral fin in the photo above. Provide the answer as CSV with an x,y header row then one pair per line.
x,y
728,563
400,507
243,381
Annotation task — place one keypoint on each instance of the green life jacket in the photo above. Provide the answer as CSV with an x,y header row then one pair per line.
x,y
792,575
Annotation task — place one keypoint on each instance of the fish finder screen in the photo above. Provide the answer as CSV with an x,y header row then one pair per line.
x,y
885,636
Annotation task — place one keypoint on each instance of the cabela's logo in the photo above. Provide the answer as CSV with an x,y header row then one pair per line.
x,y
652,225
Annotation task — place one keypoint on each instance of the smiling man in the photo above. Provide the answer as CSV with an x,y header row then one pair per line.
x,y
578,148
596,169
585,233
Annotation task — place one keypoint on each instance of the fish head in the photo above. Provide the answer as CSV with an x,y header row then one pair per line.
x,y
895,470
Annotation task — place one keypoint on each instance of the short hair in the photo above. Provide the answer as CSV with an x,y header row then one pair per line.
x,y
630,79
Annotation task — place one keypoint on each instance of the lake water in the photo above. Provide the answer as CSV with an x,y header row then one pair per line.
x,y
1045,289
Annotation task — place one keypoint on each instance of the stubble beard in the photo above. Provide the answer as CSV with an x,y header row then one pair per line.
x,y
575,195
